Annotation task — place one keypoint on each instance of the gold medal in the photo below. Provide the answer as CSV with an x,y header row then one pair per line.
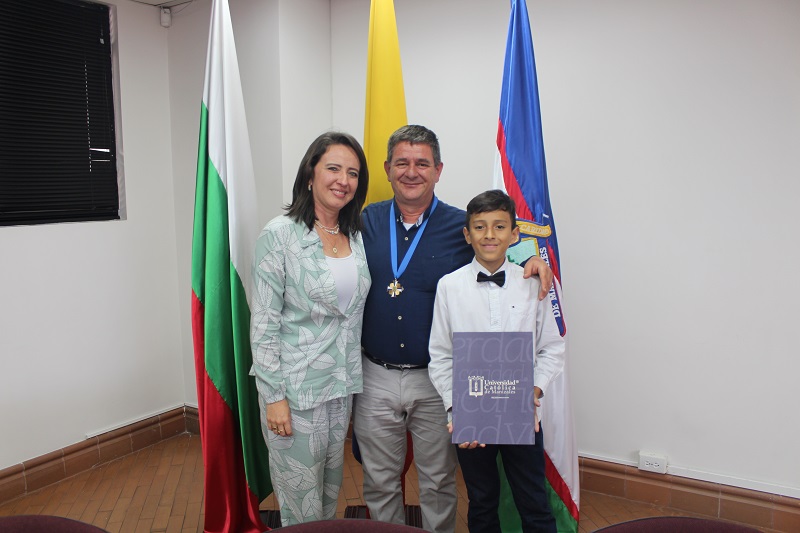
x,y
394,289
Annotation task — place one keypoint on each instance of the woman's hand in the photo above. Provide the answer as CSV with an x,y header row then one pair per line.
x,y
279,418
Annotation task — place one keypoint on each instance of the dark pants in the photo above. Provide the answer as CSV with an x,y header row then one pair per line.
x,y
524,467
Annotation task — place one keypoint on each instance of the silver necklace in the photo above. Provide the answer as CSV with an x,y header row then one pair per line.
x,y
333,231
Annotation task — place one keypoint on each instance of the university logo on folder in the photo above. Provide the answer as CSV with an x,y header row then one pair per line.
x,y
493,388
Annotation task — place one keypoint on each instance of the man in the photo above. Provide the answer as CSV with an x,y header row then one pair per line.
x,y
411,242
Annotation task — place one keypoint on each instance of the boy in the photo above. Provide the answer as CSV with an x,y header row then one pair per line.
x,y
467,301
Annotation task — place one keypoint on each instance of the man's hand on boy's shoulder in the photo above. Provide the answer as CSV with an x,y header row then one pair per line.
x,y
536,266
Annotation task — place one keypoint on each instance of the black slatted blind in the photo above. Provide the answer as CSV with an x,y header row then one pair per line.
x,y
58,158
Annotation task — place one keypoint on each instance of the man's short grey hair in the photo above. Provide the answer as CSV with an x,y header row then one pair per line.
x,y
414,134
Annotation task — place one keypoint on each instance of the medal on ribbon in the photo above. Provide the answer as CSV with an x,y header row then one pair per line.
x,y
395,288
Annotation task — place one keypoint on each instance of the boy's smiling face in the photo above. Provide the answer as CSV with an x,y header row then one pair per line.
x,y
490,234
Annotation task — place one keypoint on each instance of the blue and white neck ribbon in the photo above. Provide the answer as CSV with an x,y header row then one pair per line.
x,y
394,289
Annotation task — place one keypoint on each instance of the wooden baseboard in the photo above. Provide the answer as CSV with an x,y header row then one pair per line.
x,y
759,509
34,474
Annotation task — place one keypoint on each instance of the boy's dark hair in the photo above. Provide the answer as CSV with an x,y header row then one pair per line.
x,y
302,207
494,200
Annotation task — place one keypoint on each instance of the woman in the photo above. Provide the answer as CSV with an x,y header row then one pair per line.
x,y
310,283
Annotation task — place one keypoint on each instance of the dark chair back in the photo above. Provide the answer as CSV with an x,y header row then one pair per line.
x,y
45,524
676,524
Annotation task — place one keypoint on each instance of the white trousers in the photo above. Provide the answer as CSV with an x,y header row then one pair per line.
x,y
306,468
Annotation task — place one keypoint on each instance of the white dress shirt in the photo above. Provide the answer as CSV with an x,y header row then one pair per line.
x,y
465,304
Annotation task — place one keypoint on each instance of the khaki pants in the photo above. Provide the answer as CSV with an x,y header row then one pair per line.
x,y
393,402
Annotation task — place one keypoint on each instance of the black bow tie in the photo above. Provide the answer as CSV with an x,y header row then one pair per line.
x,y
497,277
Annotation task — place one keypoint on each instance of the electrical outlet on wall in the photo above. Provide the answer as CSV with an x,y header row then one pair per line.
x,y
652,462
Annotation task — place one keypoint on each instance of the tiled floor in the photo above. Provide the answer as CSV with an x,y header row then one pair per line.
x,y
160,488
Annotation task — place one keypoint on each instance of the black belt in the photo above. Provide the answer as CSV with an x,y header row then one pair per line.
x,y
390,366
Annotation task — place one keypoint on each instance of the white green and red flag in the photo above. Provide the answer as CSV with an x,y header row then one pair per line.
x,y
225,230
521,172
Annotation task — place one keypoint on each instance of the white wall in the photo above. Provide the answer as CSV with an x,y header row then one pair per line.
x,y
668,129
186,52
671,131
305,67
89,314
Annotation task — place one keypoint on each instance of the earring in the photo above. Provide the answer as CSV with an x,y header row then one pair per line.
x,y
309,185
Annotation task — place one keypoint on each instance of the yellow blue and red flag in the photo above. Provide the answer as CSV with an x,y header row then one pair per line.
x,y
522,173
